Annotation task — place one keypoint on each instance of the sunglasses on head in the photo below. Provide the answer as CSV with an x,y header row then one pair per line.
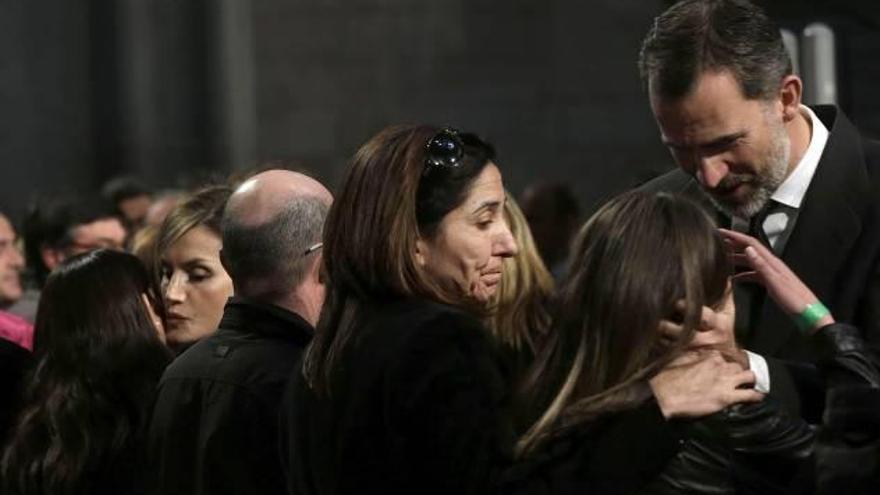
x,y
445,150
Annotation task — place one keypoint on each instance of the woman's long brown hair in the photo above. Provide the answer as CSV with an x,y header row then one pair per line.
x,y
633,260
371,233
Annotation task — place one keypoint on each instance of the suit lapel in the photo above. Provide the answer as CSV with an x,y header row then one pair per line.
x,y
828,225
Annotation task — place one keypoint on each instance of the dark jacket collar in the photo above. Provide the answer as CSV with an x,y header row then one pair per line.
x,y
249,316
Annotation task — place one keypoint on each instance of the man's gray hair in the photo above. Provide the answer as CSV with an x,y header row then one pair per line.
x,y
269,260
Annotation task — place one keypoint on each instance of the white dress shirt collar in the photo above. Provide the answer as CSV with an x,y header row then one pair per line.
x,y
791,192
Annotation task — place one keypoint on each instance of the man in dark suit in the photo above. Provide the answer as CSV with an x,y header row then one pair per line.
x,y
801,179
214,428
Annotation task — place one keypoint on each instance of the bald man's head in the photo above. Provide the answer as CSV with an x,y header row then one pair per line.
x,y
264,195
270,227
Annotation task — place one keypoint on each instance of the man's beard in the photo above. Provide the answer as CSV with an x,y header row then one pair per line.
x,y
771,175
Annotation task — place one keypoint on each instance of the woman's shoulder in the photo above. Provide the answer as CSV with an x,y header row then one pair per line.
x,y
424,340
423,323
617,453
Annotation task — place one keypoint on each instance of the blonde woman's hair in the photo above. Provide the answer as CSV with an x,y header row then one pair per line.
x,y
520,316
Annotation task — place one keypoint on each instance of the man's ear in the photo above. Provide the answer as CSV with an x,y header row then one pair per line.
x,y
317,270
790,94
51,257
421,252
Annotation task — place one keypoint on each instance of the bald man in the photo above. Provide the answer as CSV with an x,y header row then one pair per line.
x,y
214,428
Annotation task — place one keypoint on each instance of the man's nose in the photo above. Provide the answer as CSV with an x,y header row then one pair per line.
x,y
710,171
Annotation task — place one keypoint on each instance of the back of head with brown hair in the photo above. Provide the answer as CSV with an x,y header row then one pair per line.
x,y
632,261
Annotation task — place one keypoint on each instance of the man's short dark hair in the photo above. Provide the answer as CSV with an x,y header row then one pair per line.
x,y
694,36
119,189
272,257
50,222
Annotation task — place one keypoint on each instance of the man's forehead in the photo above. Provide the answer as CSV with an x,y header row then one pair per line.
x,y
695,126
6,230
715,105
100,225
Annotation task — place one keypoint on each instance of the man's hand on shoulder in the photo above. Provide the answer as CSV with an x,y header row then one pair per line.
x,y
700,383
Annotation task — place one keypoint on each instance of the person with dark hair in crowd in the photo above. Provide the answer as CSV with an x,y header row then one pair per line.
x,y
97,359
800,178
554,216
648,295
57,228
11,264
16,334
185,257
131,198
220,398
13,328
401,390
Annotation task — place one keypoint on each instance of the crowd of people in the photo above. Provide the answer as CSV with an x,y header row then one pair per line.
x,y
714,331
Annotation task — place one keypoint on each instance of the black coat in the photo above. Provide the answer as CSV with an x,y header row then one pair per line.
x,y
834,248
14,361
214,428
416,406
616,454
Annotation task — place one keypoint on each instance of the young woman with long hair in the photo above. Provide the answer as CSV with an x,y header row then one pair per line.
x,y
650,282
97,359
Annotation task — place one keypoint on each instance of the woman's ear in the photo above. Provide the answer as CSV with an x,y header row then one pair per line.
x,y
421,253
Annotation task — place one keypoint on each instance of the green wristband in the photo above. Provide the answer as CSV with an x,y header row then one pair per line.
x,y
811,315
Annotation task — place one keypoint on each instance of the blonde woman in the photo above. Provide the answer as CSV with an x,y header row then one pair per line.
x,y
520,316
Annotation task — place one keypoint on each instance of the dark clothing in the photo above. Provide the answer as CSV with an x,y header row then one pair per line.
x,y
215,424
834,248
848,445
415,407
14,362
749,448
638,451
616,454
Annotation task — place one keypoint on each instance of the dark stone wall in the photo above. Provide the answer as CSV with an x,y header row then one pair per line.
x,y
46,137
553,84
173,90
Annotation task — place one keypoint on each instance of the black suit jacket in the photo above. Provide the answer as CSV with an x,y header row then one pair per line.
x,y
834,248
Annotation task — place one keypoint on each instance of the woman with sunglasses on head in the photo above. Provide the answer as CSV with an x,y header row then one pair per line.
x,y
401,390
649,286
97,359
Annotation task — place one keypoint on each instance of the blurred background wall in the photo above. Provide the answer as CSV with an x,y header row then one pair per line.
x,y
172,91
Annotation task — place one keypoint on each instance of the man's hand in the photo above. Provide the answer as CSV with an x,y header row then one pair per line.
x,y
716,331
702,383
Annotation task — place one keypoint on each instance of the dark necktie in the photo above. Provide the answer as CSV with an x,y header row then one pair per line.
x,y
756,224
749,297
